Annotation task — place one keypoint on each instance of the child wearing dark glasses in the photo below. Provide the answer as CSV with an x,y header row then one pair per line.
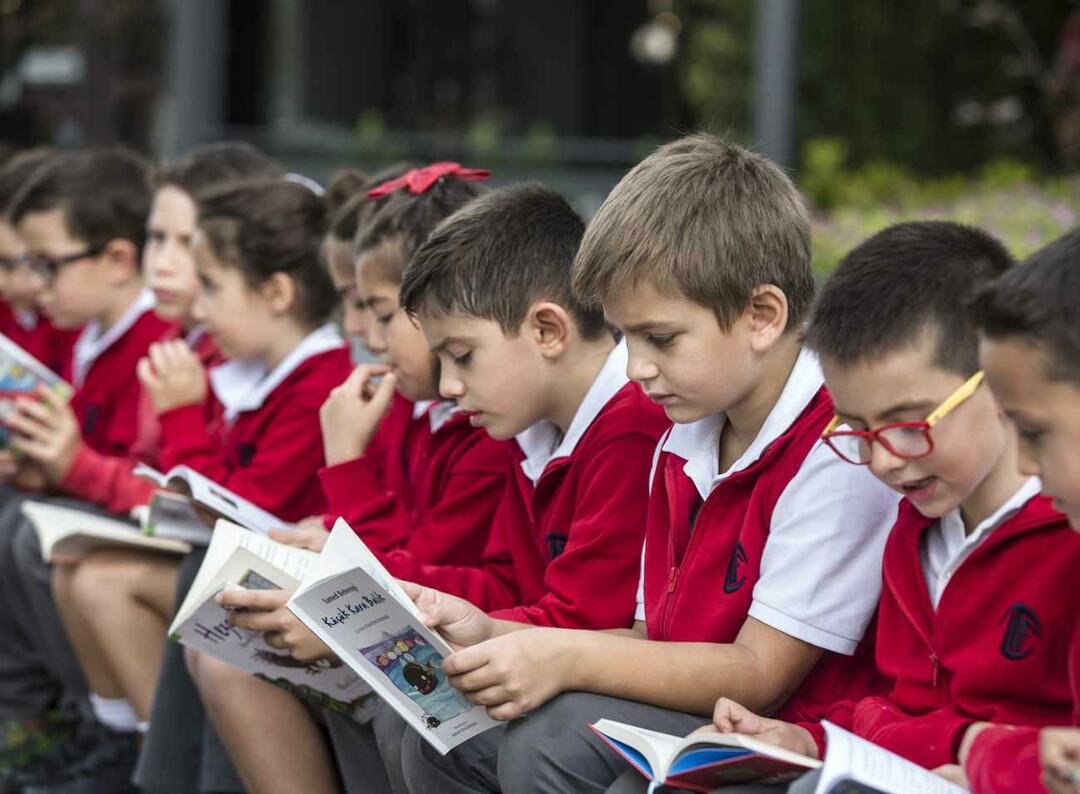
x,y
974,624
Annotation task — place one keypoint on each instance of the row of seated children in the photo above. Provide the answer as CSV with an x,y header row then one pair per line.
x,y
762,575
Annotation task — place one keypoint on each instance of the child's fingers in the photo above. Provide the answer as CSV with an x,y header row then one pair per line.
x,y
31,447
263,600
158,359
473,680
145,370
255,621
27,425
384,393
491,696
51,397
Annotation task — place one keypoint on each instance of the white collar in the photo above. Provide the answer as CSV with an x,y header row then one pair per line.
x,y
26,318
242,385
92,342
951,524
541,443
698,443
438,412
195,335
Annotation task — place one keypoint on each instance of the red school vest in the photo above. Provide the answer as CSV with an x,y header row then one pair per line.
x,y
107,403
699,579
996,649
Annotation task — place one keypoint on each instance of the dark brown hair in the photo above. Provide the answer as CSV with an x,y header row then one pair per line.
x,y
270,226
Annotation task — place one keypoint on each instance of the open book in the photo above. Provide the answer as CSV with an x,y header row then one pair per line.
x,y
350,601
240,558
69,533
20,375
702,762
172,518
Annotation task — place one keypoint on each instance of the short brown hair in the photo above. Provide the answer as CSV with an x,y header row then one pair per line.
x,y
497,256
706,220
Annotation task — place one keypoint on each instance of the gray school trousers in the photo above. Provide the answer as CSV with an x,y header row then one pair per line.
x,y
551,750
38,666
366,755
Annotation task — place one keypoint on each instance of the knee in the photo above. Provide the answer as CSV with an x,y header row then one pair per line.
x,y
213,678
418,761
549,749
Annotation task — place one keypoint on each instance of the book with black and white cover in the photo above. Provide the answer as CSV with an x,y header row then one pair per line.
x,y
167,518
241,558
352,603
20,376
67,533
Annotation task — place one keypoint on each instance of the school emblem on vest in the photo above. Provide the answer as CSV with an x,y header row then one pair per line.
x,y
1021,625
733,581
556,542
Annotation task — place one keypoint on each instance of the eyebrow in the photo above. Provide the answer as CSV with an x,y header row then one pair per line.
x,y
649,325
445,342
900,408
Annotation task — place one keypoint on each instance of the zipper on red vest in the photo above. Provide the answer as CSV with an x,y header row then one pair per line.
x,y
673,579
935,670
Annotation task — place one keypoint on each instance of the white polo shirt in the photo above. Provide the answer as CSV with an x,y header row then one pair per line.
x,y
821,569
946,544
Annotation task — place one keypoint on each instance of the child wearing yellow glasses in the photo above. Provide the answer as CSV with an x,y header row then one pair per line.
x,y
977,609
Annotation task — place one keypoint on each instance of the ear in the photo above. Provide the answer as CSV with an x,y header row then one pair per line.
x,y
767,316
121,260
550,326
279,292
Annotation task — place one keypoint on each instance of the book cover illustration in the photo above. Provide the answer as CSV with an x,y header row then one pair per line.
x,y
415,668
20,375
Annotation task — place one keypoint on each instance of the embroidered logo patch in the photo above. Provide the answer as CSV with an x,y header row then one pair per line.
x,y
556,542
732,582
1022,627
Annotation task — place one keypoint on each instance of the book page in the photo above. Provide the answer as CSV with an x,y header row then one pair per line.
x,y
72,533
326,683
850,758
227,536
214,497
400,658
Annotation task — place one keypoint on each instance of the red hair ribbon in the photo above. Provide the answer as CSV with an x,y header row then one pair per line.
x,y
420,180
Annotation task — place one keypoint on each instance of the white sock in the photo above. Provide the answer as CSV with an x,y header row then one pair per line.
x,y
115,713
142,727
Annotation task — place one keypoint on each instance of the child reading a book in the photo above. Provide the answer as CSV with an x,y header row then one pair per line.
x,y
973,627
82,219
761,547
528,361
419,478
169,269
1027,320
20,319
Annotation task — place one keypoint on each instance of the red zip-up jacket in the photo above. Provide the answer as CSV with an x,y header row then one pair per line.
x,y
428,494
107,479
567,552
107,402
1005,759
50,345
700,572
996,649
271,456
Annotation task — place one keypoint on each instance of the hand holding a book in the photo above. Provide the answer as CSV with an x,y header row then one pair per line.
x,y
458,622
732,717
354,410
1059,753
264,611
515,673
173,376
24,473
46,432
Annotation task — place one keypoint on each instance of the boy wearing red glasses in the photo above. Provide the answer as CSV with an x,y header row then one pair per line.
x,y
972,626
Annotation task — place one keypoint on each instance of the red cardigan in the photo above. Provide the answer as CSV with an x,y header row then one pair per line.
x,y
431,495
50,345
271,455
996,649
107,402
567,552
107,479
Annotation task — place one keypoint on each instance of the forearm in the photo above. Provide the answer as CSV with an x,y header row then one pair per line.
x,y
688,677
